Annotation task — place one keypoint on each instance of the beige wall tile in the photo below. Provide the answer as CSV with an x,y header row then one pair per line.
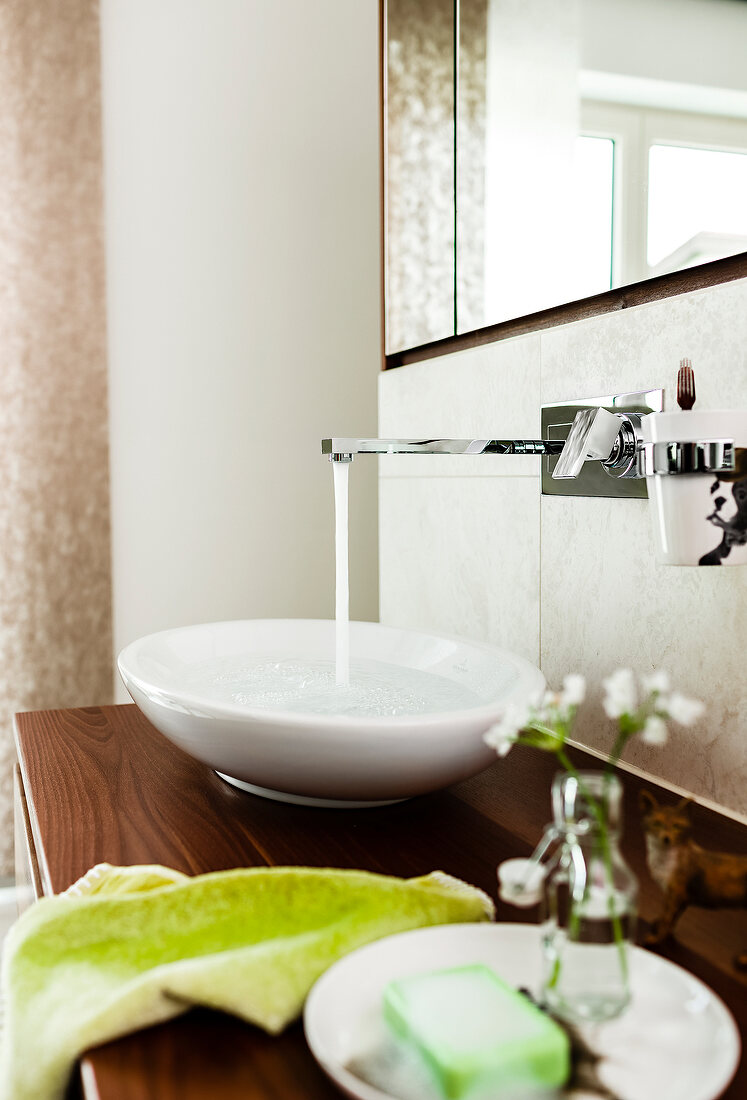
x,y
461,556
604,601
606,604
641,348
489,392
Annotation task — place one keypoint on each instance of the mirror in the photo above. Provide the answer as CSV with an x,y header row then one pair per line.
x,y
540,152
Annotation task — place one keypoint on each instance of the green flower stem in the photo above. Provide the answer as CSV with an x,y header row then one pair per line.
x,y
617,749
599,814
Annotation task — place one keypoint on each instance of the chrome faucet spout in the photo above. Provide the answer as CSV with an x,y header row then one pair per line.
x,y
342,450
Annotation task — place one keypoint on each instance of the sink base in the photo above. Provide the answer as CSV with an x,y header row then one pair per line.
x,y
305,800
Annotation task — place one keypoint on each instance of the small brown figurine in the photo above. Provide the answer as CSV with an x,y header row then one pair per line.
x,y
686,873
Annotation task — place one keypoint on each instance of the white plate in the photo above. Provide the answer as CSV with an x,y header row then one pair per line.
x,y
677,1041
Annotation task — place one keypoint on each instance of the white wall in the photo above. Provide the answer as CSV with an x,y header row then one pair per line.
x,y
684,41
241,144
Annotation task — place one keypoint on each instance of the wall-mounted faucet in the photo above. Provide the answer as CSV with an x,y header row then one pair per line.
x,y
595,434
592,432
342,450
611,447
598,447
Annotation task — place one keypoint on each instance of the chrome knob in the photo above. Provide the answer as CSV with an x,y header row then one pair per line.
x,y
594,434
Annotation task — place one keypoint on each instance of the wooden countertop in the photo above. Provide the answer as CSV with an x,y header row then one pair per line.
x,y
101,784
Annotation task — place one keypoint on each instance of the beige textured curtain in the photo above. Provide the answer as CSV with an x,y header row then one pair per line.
x,y
55,600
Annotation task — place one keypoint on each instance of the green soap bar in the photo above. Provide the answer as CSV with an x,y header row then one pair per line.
x,y
476,1032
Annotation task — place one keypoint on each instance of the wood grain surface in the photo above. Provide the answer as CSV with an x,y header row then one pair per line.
x,y
102,785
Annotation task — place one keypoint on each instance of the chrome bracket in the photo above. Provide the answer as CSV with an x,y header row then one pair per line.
x,y
700,456
620,476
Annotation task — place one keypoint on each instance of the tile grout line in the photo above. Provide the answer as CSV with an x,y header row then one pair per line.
x,y
455,477
539,521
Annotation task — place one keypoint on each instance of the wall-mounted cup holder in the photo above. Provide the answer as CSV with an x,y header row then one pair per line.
x,y
696,471
691,464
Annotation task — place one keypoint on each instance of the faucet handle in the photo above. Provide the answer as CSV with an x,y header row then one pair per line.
x,y
593,434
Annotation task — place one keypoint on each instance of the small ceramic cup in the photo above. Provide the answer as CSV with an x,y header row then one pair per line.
x,y
699,519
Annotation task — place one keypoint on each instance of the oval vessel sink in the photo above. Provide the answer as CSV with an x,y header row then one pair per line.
x,y
417,706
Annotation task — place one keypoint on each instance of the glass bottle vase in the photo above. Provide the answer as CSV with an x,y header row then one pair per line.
x,y
589,902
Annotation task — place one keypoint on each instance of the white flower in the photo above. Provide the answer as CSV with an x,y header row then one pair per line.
x,y
503,734
657,682
555,703
515,717
500,740
620,693
683,710
574,690
551,700
655,731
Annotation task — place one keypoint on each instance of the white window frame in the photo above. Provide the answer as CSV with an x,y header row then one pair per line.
x,y
634,129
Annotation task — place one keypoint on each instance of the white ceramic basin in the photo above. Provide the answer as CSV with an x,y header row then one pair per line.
x,y
195,685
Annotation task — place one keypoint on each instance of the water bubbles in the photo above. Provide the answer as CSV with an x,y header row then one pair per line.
x,y
375,689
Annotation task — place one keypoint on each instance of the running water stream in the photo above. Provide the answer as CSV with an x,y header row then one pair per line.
x,y
321,685
342,583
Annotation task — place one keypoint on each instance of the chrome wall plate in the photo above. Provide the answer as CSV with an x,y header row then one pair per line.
x,y
593,480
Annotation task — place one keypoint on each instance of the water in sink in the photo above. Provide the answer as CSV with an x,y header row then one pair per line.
x,y
373,688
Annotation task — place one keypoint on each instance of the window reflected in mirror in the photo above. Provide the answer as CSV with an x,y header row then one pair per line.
x,y
591,144
697,205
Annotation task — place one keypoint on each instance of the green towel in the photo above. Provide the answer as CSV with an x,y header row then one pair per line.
x,y
129,947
